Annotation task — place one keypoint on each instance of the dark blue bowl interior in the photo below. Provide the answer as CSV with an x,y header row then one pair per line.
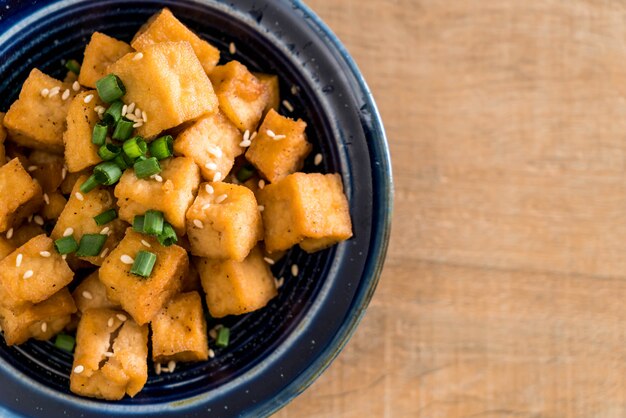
x,y
275,352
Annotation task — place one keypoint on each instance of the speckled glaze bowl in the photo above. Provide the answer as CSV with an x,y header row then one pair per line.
x,y
277,352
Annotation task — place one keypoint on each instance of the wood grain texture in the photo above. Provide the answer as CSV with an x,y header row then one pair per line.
x,y
504,293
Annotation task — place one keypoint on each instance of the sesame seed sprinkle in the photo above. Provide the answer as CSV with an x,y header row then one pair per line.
x,y
9,233
171,365
64,256
79,196
246,135
66,94
254,134
288,105
110,322
144,116
138,113
211,166
146,243
131,107
206,206
104,253
45,254
18,260
269,261
87,295
232,48
198,223
105,230
138,56
28,274
32,168
38,220
126,259
221,198
137,124
295,90
217,176
54,91
261,184
76,86
124,110
69,231
121,317
318,159
79,369
157,368
45,92
217,151
279,137
211,353
270,133
279,282
63,172
245,144
46,198
209,189
88,98
294,269
44,326
261,208
158,178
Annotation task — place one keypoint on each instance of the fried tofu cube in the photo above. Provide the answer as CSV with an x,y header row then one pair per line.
x,y
108,370
191,281
280,147
47,169
164,27
213,143
179,330
306,209
32,273
3,137
100,53
70,180
21,195
168,83
40,321
78,215
36,121
143,297
54,206
172,196
225,224
25,233
92,294
273,90
236,287
241,95
80,152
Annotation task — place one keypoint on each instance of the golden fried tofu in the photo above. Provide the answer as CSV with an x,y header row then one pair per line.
x,y
25,233
36,121
273,90
111,355
143,297
306,209
225,224
92,294
21,195
236,287
53,207
80,152
168,83
164,27
100,53
47,169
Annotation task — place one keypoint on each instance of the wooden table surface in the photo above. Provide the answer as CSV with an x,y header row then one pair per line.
x,y
504,291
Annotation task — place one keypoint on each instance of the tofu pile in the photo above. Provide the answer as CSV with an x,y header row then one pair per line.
x,y
222,118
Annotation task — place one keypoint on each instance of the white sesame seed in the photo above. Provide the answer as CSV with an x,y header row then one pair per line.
x,y
261,184
254,134
144,116
79,196
124,110
211,353
126,259
246,135
138,56
198,223
99,109
270,133
209,189
131,107
146,243
217,151
318,159
294,269
232,48
121,317
46,198
76,86
279,282
105,230
217,176
138,113
104,253
108,354
269,261
66,94
32,168
206,206
28,274
171,365
63,172
137,124
45,254
245,144
68,231
221,198
131,117
45,92
44,326
211,166
64,256
18,260
295,90
38,220
110,322
158,178
9,233
261,208
88,98
288,105
279,137
87,295
54,91
157,368
79,369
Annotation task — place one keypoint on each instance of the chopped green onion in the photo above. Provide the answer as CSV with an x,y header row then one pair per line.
x,y
107,173
144,263
138,222
113,114
162,147
109,151
73,66
153,222
110,88
66,245
89,184
245,173
135,147
91,245
146,168
65,342
99,134
123,129
223,337
105,217
168,236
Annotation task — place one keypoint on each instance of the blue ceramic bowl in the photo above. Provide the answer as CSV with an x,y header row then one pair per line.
x,y
277,352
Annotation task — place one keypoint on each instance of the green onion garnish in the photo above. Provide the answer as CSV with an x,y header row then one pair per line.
x,y
89,184
153,222
105,217
113,114
107,173
109,151
168,236
162,147
223,337
135,147
99,134
66,245
138,222
110,88
146,168
123,129
73,66
245,173
91,245
144,263
65,342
